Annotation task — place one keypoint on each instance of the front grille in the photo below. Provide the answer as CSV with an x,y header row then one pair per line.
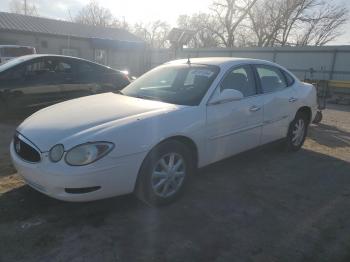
x,y
25,151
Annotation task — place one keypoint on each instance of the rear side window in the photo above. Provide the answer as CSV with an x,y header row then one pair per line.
x,y
271,78
86,68
64,67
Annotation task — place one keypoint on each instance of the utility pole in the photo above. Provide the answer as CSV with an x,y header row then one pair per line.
x,y
25,7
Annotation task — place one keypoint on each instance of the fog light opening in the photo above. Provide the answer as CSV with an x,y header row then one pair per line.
x,y
84,190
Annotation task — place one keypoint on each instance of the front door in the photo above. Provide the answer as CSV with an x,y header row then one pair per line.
x,y
32,85
235,126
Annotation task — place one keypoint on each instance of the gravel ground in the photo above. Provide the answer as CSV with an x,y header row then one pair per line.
x,y
262,205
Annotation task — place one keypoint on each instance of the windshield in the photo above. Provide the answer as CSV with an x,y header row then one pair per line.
x,y
11,63
175,84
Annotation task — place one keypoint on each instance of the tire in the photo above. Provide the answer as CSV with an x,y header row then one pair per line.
x,y
297,133
155,185
3,108
318,117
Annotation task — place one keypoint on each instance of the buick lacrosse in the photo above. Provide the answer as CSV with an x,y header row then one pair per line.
x,y
150,137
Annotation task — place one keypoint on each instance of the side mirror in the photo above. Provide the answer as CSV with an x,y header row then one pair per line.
x,y
227,95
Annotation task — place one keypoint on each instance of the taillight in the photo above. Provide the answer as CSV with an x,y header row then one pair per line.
x,y
126,77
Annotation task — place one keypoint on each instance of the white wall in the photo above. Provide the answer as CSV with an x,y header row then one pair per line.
x,y
327,62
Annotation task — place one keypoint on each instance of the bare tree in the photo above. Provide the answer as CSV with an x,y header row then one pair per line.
x,y
94,14
323,26
199,23
273,25
122,24
23,7
154,33
295,22
229,15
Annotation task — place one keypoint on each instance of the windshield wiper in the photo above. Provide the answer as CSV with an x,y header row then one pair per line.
x,y
119,92
148,97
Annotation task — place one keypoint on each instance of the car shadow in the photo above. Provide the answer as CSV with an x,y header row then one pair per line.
x,y
241,207
24,203
329,136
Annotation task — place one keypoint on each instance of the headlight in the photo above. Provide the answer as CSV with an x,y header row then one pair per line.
x,y
56,153
88,153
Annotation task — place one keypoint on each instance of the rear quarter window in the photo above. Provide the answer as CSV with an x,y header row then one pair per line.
x,y
289,79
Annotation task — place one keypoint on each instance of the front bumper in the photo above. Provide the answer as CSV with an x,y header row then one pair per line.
x,y
111,176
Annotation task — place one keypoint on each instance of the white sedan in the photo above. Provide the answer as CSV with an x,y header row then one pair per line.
x,y
150,137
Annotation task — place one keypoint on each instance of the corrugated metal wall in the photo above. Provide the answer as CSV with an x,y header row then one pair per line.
x,y
318,63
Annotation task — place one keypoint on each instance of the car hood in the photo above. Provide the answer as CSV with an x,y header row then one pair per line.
x,y
59,122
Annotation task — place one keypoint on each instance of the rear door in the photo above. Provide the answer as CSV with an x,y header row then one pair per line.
x,y
67,73
279,102
235,126
84,81
88,78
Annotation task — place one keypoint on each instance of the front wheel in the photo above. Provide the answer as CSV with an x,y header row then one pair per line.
x,y
297,133
164,173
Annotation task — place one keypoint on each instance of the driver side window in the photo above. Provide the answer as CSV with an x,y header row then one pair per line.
x,y
241,79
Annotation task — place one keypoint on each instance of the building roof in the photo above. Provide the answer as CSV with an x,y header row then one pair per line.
x,y
31,24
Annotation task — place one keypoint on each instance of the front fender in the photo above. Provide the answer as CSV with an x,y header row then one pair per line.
x,y
144,134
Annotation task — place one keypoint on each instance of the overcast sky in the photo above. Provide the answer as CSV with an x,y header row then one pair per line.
x,y
140,10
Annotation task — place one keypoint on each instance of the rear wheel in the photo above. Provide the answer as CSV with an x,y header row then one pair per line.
x,y
297,132
3,108
318,117
164,173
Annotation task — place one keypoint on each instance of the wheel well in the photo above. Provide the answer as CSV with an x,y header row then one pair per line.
x,y
306,111
182,139
187,142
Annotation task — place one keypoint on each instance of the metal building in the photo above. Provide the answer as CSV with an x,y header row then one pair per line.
x,y
110,46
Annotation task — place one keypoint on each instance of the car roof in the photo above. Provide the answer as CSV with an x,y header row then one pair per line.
x,y
26,58
220,61
15,46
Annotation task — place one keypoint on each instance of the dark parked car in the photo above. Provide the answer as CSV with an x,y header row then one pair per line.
x,y
32,82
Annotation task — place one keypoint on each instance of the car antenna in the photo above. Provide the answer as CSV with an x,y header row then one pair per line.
x,y
189,60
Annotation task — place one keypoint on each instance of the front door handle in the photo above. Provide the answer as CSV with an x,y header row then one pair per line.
x,y
293,100
254,109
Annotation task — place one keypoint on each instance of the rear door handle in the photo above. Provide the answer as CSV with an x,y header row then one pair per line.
x,y
254,109
293,100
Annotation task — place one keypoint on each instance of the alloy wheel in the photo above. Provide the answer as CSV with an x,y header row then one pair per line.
x,y
168,175
298,132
